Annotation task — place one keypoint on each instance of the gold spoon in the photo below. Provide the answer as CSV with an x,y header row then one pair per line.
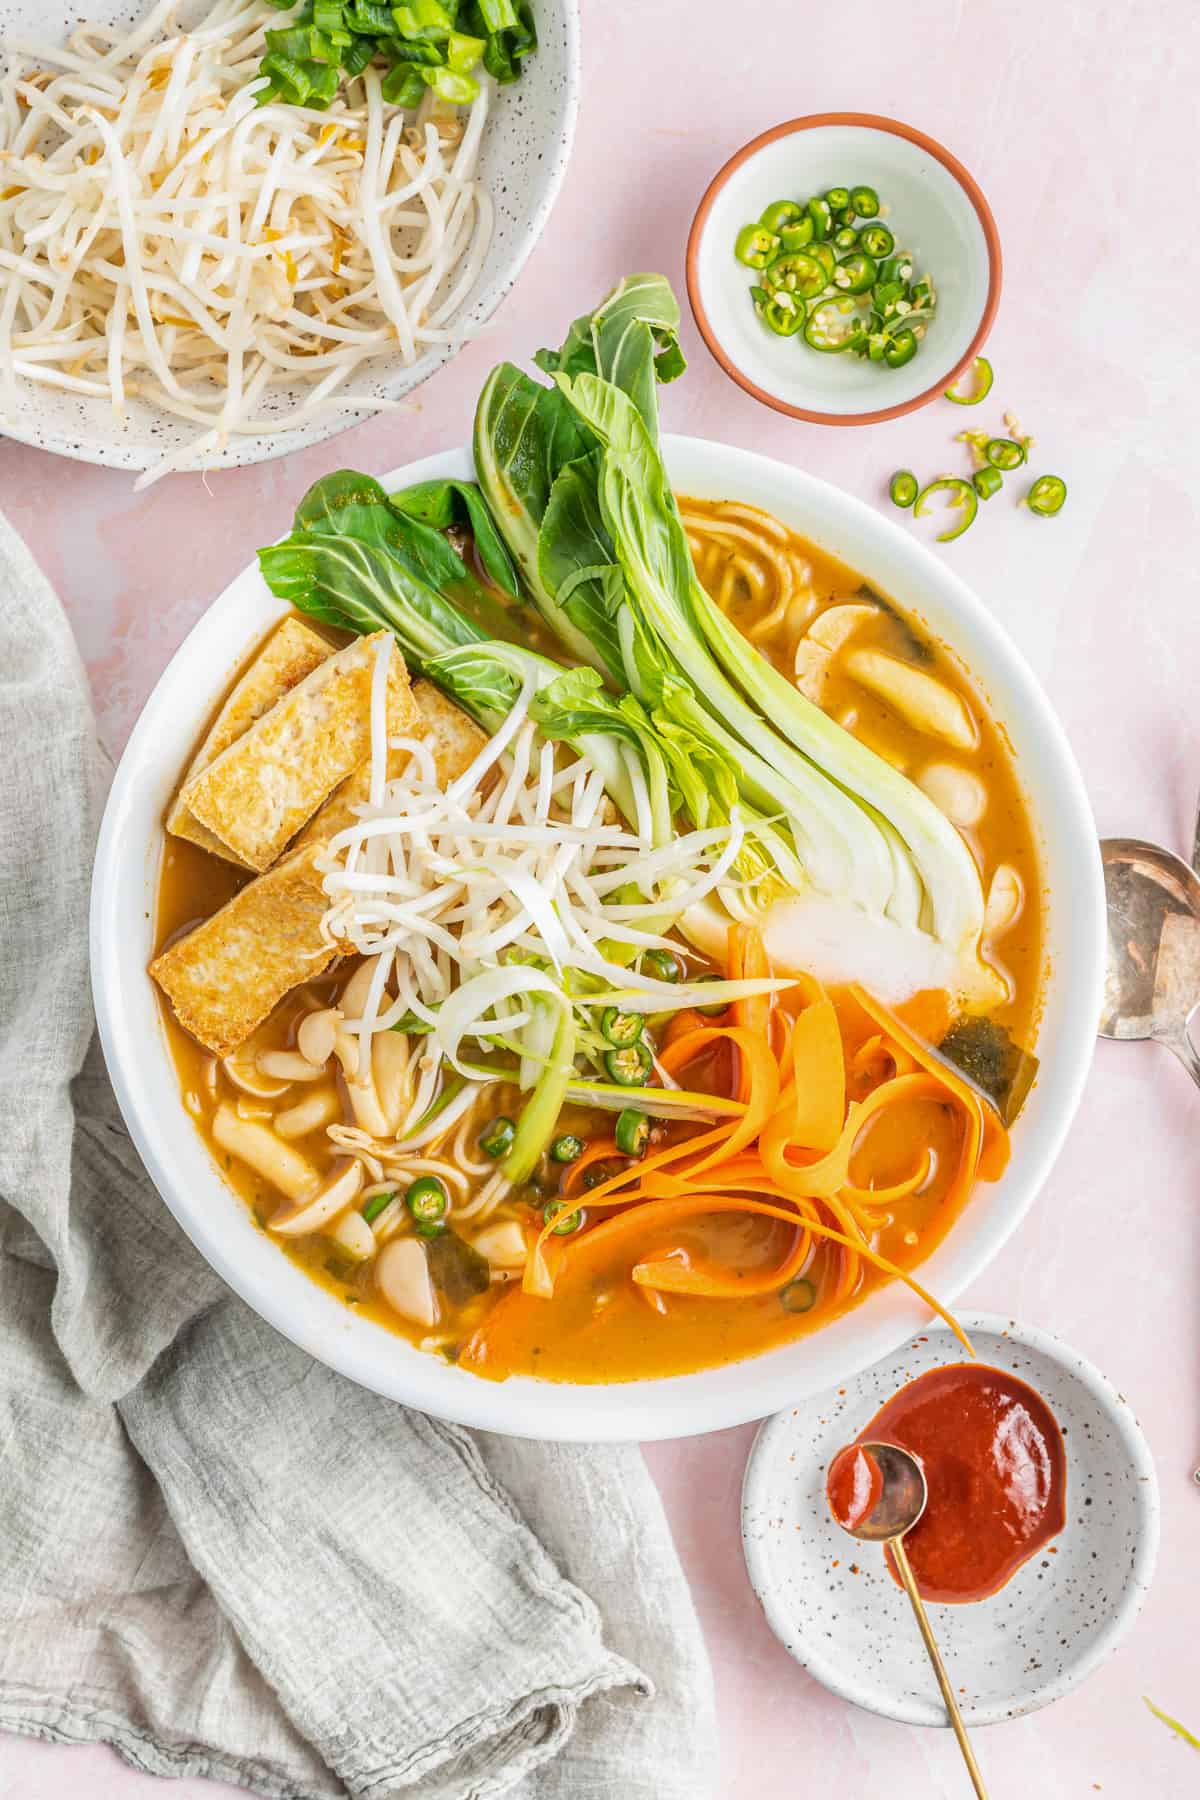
x,y
900,1504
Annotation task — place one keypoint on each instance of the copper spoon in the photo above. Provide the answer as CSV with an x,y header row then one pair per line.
x,y
900,1504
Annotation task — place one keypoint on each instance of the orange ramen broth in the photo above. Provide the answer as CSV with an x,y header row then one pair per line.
x,y
599,1326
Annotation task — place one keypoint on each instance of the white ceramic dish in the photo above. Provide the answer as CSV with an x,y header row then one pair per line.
x,y
523,158
1042,1634
936,210
122,909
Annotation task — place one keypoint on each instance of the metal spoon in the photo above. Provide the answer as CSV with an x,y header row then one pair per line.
x,y
900,1504
1152,982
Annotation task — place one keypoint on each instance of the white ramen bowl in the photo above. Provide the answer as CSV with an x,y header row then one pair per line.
x,y
219,1223
523,158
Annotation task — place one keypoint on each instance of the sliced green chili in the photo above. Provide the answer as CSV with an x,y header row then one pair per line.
x,y
982,378
496,1139
855,274
620,1028
821,216
755,246
837,198
782,313
800,273
428,1202
987,481
798,1296
865,202
662,965
630,1066
845,238
566,1149
835,325
876,240
963,496
903,488
376,1204
632,1132
825,256
901,350
1004,453
1046,496
568,1222
795,237
780,213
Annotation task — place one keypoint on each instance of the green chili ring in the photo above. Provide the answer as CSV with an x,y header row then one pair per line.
x,y
903,488
964,496
800,273
621,1028
982,376
855,274
773,218
821,326
987,481
632,1132
629,1066
754,246
877,241
837,198
1046,496
865,202
1004,453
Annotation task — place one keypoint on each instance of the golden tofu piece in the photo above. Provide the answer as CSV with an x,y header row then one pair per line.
x,y
452,736
224,977
257,793
291,652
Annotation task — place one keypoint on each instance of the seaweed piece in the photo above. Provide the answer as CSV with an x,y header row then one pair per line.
x,y
986,1054
457,1269
915,648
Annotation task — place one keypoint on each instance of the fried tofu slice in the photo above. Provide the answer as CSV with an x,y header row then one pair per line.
x,y
224,977
454,739
291,652
258,793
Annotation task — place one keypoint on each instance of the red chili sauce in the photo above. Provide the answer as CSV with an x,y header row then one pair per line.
x,y
854,1486
995,1469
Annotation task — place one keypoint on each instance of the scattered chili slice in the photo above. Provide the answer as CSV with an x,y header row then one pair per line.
x,y
569,1221
962,495
1046,496
630,1066
632,1132
566,1149
864,201
780,213
877,241
835,325
496,1139
855,274
901,350
903,488
982,378
1004,453
987,482
781,312
755,246
837,198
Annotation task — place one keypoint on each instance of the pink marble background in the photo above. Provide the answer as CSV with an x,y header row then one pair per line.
x,y
1078,118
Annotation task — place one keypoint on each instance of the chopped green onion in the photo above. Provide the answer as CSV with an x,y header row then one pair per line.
x,y
962,494
428,1202
617,1027
987,481
566,1149
497,1138
632,1132
376,1204
903,488
630,1066
568,1223
1046,496
1004,453
981,384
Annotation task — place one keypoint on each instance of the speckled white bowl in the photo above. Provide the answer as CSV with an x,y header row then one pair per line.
x,y
836,1609
523,157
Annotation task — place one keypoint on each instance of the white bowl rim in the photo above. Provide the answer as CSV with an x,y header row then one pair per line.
x,y
244,452
1145,1552
677,1406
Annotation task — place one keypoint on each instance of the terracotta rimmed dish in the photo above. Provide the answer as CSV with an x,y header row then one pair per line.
x,y
523,158
127,864
835,1608
936,209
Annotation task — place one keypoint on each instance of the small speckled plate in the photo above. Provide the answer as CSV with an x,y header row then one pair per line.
x,y
834,1606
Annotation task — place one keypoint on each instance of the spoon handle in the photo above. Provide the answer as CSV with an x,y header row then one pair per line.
x,y
904,1570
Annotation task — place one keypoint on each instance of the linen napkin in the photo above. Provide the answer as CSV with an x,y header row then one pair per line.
x,y
215,1554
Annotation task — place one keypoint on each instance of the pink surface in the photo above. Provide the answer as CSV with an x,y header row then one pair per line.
x,y
1078,122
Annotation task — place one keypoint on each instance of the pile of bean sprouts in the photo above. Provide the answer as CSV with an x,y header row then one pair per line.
x,y
162,236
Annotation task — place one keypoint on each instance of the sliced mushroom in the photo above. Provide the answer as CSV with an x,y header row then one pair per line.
x,y
503,1244
316,1033
286,1065
1005,899
402,1277
265,1153
314,1210
924,701
250,1081
823,639
955,791
309,1114
353,1235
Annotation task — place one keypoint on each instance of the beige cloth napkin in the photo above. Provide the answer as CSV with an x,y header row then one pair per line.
x,y
215,1554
